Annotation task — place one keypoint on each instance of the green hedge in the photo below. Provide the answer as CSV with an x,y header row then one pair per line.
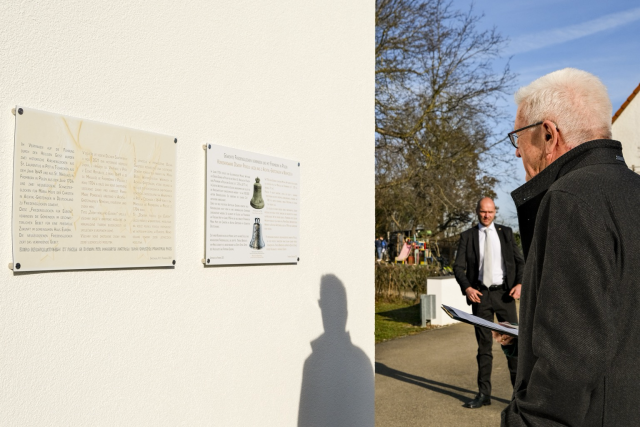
x,y
393,281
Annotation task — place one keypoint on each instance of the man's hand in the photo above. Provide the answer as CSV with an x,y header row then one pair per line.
x,y
515,292
502,339
473,294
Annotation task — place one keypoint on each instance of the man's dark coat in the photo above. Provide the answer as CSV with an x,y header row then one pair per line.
x,y
467,265
579,338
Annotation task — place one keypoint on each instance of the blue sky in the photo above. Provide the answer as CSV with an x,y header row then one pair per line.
x,y
602,38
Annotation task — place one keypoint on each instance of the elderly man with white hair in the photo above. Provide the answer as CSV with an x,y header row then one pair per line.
x,y
579,214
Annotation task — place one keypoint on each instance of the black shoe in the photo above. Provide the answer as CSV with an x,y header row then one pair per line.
x,y
480,401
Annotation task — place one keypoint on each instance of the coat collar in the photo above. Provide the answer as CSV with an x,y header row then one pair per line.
x,y
529,196
476,240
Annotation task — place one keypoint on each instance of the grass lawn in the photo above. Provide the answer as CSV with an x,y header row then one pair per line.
x,y
397,319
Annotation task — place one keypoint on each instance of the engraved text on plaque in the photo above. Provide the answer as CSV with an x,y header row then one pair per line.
x,y
90,195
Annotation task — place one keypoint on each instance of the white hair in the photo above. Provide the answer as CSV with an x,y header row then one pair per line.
x,y
576,101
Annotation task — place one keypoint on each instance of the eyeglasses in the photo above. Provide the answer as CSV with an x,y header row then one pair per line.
x,y
513,135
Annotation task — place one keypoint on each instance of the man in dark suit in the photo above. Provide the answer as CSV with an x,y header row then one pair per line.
x,y
579,215
489,269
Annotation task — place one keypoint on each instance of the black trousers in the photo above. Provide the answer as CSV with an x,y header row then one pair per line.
x,y
499,302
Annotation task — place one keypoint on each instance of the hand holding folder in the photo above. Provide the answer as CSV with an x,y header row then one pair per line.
x,y
477,321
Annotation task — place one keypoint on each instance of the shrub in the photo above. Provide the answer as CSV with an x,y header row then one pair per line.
x,y
394,281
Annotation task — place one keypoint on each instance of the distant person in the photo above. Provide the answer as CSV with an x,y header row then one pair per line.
x,y
384,248
488,268
379,247
579,215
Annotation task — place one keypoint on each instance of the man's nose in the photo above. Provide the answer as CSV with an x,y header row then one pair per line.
x,y
518,152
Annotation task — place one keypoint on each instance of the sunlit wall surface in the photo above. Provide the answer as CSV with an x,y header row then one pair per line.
x,y
215,346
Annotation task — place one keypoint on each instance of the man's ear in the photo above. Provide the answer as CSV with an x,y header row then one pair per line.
x,y
550,136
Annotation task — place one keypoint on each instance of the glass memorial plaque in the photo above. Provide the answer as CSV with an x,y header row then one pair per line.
x,y
89,195
253,208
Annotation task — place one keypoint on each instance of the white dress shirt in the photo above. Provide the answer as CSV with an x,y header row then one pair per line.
x,y
498,262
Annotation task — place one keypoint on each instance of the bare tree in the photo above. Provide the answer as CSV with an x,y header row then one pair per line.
x,y
436,94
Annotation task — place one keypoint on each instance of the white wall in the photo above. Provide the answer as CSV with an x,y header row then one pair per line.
x,y
192,345
626,129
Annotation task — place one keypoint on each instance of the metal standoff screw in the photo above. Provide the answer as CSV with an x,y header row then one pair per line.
x,y
208,261
298,163
174,262
175,140
18,266
209,146
298,259
20,111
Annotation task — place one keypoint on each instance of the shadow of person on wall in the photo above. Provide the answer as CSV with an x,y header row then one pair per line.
x,y
337,380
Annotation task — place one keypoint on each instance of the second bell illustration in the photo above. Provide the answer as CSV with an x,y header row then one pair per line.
x,y
256,238
256,200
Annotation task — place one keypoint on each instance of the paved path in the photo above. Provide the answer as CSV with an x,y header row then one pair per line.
x,y
424,379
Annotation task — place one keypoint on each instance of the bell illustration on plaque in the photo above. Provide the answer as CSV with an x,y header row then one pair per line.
x,y
256,238
256,200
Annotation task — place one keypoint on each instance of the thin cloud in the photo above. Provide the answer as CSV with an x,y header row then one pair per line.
x,y
548,38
